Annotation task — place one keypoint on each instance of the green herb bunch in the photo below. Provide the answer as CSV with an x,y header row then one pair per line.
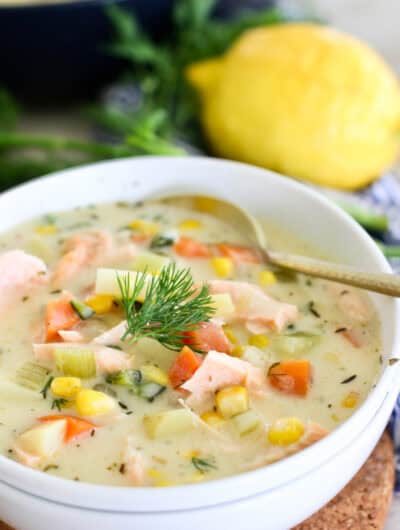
x,y
167,111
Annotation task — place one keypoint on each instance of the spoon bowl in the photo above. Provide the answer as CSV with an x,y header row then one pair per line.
x,y
251,229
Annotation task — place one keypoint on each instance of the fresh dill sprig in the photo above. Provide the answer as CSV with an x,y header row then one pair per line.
x,y
203,465
172,306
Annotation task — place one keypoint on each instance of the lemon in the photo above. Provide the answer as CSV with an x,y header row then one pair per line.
x,y
302,99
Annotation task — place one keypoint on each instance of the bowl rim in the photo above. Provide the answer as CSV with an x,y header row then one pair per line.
x,y
235,487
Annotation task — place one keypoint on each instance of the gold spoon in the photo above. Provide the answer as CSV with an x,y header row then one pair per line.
x,y
383,283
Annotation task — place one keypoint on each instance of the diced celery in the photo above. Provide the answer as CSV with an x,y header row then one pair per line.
x,y
75,362
150,262
168,423
223,305
246,422
43,440
31,375
107,281
83,310
295,343
150,391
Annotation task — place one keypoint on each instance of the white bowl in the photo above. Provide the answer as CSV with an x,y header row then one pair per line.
x,y
272,498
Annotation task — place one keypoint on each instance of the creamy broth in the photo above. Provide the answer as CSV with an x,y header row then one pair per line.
x,y
338,328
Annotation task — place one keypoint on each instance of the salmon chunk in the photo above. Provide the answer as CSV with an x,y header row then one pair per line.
x,y
219,370
254,306
108,360
352,304
112,335
82,249
19,273
209,336
134,464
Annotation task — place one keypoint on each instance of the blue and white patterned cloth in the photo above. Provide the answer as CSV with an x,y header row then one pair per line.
x,y
383,197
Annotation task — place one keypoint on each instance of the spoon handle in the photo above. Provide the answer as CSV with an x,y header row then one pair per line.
x,y
379,282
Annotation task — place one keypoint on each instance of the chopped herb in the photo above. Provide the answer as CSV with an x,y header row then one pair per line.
x,y
122,204
312,310
122,469
202,465
49,219
129,412
285,276
345,291
92,432
393,361
172,306
329,405
340,330
56,291
122,405
59,403
309,282
50,467
46,387
106,389
114,346
348,380
25,298
161,241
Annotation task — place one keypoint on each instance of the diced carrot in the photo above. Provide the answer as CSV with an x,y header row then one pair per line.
x,y
60,315
184,366
350,337
291,377
190,248
75,426
208,336
239,253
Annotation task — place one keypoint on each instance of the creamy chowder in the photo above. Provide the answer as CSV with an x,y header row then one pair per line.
x,y
147,345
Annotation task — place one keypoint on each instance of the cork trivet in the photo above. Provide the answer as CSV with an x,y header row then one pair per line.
x,y
363,504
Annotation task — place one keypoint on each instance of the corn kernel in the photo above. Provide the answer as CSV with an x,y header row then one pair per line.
x,y
266,278
46,230
230,335
145,227
212,418
285,431
93,403
259,341
223,267
101,303
351,400
190,224
153,373
237,351
232,401
65,387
